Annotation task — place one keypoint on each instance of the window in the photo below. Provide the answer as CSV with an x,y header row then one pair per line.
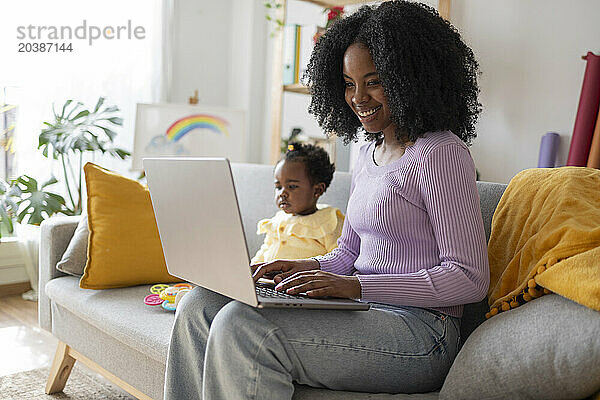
x,y
115,52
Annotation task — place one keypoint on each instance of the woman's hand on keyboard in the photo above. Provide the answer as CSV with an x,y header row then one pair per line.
x,y
280,269
320,284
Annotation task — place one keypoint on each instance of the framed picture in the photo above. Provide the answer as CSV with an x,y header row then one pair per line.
x,y
184,130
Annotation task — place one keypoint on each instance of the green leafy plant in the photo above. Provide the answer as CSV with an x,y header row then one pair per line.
x,y
271,6
21,200
285,142
75,131
8,206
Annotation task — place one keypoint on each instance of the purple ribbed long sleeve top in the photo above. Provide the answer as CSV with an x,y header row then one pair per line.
x,y
413,233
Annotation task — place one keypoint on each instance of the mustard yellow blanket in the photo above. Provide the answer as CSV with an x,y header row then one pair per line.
x,y
545,238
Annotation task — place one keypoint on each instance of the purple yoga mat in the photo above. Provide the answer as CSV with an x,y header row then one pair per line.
x,y
586,113
548,148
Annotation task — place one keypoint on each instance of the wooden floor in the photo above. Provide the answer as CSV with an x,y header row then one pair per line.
x,y
23,344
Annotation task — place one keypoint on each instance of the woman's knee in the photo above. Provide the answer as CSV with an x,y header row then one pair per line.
x,y
198,307
234,320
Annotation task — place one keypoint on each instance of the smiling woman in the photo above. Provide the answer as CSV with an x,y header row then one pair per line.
x,y
412,244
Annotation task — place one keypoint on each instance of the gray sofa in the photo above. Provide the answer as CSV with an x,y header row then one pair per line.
x,y
113,332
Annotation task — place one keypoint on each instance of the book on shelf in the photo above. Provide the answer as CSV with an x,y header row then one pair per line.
x,y
291,38
298,44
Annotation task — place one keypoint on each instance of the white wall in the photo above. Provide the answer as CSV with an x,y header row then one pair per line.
x,y
530,57
201,41
218,47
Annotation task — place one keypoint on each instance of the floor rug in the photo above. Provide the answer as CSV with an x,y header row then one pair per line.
x,y
82,385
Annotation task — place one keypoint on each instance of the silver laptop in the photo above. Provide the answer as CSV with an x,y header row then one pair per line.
x,y
202,236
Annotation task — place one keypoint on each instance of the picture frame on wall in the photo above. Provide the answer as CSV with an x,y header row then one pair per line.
x,y
188,130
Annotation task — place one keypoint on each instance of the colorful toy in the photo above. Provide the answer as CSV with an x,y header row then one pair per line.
x,y
167,296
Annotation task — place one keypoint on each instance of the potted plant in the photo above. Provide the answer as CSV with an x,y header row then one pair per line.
x,y
73,132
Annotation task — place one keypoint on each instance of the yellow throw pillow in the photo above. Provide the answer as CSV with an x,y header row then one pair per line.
x,y
124,247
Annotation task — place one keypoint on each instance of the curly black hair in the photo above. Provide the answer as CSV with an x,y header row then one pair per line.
x,y
315,160
429,75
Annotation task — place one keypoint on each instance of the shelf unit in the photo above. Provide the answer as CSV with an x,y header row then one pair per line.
x,y
277,89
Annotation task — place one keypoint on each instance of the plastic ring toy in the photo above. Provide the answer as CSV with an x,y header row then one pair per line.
x,y
184,286
167,305
153,300
169,294
156,289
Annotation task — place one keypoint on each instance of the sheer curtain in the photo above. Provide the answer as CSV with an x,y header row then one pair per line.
x,y
125,70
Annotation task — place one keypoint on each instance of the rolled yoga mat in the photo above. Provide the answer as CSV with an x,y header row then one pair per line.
x,y
586,113
594,157
548,148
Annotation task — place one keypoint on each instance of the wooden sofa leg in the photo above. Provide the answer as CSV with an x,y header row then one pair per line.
x,y
60,370
63,364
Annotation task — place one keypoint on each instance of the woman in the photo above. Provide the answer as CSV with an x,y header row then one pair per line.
x,y
413,243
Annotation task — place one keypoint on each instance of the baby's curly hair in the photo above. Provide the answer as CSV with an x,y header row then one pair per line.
x,y
429,75
315,160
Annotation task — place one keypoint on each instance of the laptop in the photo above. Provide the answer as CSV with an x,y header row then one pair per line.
x,y
202,235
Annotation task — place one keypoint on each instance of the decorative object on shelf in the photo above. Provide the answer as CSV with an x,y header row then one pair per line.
x,y
189,131
75,131
194,99
333,14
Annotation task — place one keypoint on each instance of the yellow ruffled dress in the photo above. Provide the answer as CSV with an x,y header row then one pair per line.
x,y
299,236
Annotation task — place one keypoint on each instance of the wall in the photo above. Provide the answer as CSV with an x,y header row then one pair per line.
x,y
218,47
532,71
200,49
529,51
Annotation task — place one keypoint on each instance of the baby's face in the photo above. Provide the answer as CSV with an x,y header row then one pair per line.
x,y
294,194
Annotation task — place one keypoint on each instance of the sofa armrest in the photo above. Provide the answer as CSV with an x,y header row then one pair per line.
x,y
55,235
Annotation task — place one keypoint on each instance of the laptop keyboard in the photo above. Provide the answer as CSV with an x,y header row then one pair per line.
x,y
274,294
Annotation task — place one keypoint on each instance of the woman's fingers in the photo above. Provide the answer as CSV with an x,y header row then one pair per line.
x,y
264,269
283,275
273,268
320,284
253,267
283,267
296,279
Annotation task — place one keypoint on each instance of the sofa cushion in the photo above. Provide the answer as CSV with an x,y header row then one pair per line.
x,y
124,245
120,313
75,257
546,349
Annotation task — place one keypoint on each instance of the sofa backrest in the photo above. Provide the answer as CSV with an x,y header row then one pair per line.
x,y
255,191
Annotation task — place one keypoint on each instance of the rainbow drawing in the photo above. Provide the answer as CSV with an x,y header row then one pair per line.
x,y
182,126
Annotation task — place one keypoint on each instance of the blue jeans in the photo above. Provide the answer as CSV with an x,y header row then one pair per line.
x,y
224,349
